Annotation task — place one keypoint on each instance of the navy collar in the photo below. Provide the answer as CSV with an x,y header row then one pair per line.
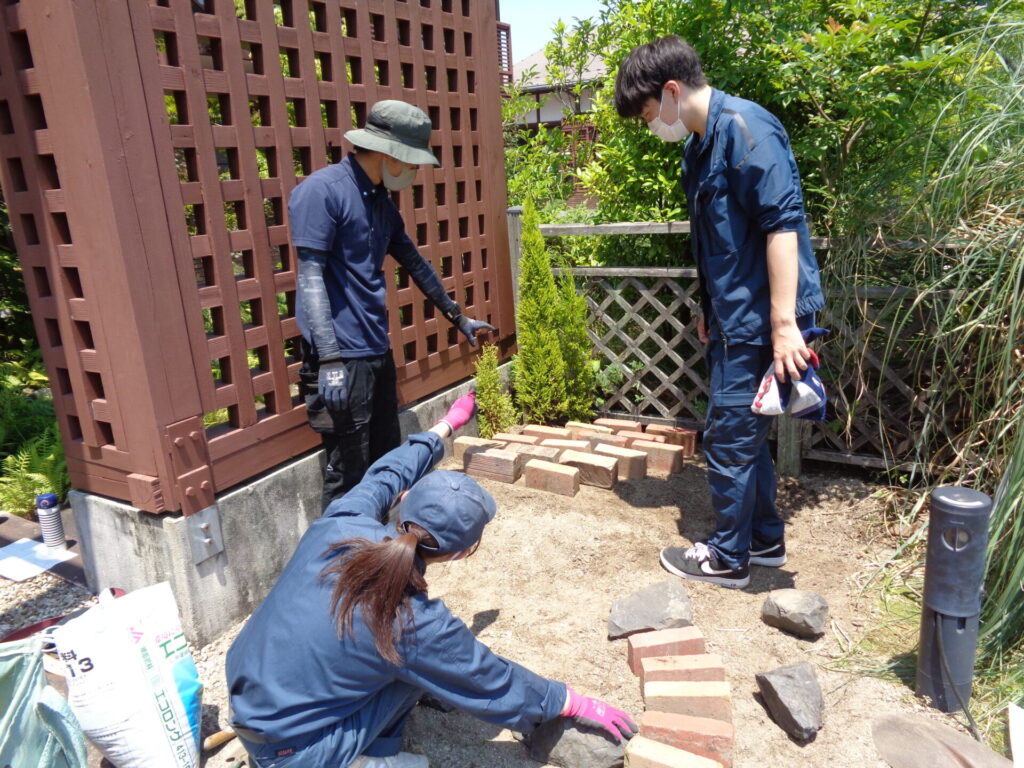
x,y
363,183
714,112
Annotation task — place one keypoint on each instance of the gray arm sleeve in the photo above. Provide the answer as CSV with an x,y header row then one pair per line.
x,y
316,307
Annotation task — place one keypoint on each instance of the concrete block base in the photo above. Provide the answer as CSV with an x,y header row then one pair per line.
x,y
261,522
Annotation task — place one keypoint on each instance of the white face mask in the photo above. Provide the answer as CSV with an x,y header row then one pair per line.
x,y
674,131
401,181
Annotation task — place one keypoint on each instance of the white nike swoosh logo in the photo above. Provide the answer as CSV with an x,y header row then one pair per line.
x,y
708,570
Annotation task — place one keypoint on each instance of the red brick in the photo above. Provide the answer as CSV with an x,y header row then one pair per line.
x,y
619,425
493,463
462,443
632,464
687,438
642,752
580,427
694,667
533,451
602,471
698,699
680,641
613,439
660,456
702,736
545,432
567,445
551,477
633,437
508,437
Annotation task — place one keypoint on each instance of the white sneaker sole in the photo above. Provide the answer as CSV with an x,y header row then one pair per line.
x,y
771,562
722,581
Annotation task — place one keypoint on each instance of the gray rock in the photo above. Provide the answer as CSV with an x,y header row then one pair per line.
x,y
793,699
798,611
565,742
664,605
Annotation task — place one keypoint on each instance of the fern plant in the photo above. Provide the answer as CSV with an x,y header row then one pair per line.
x,y
37,467
495,411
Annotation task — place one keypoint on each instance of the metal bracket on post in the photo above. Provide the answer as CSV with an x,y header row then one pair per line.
x,y
204,535
185,443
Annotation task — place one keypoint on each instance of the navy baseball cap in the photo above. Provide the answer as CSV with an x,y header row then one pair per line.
x,y
452,507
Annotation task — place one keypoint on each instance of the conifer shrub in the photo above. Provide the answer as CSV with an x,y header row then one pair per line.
x,y
495,410
540,371
577,350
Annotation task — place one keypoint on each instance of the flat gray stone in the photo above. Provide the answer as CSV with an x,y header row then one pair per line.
x,y
664,605
798,611
565,742
912,741
793,699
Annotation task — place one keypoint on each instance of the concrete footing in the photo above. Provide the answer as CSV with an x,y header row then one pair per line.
x,y
261,521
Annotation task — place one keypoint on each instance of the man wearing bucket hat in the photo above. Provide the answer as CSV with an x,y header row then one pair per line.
x,y
328,668
343,223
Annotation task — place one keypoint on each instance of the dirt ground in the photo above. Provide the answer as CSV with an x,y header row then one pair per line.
x,y
539,589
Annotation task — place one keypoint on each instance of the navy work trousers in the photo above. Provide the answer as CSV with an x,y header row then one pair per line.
x,y
741,473
374,730
356,436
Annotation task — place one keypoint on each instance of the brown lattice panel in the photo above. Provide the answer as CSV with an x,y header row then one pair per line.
x,y
147,151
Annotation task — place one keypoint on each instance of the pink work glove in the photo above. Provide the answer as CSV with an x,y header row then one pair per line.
x,y
462,410
597,714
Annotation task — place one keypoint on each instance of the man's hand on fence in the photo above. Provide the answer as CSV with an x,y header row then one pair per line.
x,y
332,384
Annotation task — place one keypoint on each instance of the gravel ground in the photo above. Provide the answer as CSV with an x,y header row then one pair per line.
x,y
41,597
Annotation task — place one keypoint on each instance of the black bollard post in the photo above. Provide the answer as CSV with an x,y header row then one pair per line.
x,y
953,579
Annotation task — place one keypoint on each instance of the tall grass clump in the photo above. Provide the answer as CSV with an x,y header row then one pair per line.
x,y
956,338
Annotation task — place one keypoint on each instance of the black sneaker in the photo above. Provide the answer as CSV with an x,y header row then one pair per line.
x,y
772,554
700,563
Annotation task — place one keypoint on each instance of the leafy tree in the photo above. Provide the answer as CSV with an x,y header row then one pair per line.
x,y
495,410
540,371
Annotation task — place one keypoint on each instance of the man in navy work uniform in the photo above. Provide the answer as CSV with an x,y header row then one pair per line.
x,y
759,287
327,670
343,222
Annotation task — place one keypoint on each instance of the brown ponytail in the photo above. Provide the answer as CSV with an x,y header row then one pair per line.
x,y
378,577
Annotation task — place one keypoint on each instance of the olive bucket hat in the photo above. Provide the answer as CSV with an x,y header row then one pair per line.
x,y
396,129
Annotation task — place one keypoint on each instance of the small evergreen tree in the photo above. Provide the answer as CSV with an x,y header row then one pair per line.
x,y
577,350
495,411
539,367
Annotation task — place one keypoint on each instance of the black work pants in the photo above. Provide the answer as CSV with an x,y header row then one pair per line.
x,y
356,436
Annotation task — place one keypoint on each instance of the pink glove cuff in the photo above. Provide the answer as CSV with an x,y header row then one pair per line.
x,y
461,412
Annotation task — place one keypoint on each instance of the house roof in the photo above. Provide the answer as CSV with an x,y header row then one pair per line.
x,y
594,70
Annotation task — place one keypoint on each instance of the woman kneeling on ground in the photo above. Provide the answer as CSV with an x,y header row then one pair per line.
x,y
327,669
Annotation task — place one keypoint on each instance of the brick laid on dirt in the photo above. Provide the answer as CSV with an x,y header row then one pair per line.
x,y
494,463
602,471
462,443
664,642
633,437
552,477
547,432
695,667
566,445
687,438
660,456
582,426
618,425
632,464
642,752
612,439
529,451
702,736
708,698
508,437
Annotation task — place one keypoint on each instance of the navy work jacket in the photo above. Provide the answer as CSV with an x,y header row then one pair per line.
x,y
290,674
742,183
340,211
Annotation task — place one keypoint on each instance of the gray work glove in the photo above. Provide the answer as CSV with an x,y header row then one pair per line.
x,y
469,326
332,384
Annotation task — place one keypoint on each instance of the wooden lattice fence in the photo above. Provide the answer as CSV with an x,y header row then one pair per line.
x,y
643,322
